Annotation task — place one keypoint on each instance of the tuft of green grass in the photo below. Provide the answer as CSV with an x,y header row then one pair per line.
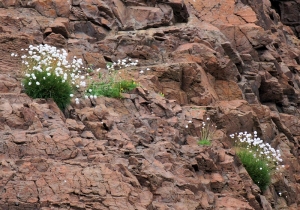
x,y
111,89
204,142
260,159
207,130
49,86
257,168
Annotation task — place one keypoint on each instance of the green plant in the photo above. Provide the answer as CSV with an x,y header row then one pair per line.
x,y
207,131
204,142
161,94
257,168
114,82
50,87
111,89
47,74
259,159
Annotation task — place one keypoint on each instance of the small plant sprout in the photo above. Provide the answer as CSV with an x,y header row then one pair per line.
x,y
161,94
207,131
260,159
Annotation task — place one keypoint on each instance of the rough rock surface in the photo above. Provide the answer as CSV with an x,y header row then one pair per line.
x,y
235,60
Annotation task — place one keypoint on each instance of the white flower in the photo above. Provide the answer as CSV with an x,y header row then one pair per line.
x,y
148,69
82,83
44,78
141,72
190,121
37,83
29,83
86,96
95,96
12,55
71,95
186,126
48,74
90,90
77,100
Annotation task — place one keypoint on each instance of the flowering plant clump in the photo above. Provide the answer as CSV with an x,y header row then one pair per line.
x,y
48,74
114,81
260,159
207,131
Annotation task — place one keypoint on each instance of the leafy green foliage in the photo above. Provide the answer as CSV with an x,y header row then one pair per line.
x,y
260,159
111,89
51,86
257,169
204,142
48,74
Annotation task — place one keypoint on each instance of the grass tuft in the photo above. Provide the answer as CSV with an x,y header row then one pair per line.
x,y
50,87
204,142
257,169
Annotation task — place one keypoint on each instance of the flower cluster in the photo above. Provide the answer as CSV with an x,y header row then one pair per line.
x,y
259,159
261,150
114,81
49,59
206,131
120,64
48,74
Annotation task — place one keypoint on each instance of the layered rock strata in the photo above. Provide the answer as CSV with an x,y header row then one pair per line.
x,y
236,61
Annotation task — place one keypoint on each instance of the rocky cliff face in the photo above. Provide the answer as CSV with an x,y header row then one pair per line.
x,y
237,61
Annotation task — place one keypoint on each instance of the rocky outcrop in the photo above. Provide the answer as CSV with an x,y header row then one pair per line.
x,y
235,61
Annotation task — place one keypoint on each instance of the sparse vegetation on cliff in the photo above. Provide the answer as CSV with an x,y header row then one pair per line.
x,y
114,81
207,131
48,74
260,159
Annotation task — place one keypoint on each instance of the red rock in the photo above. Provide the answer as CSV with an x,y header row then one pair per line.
x,y
45,8
138,17
136,153
56,40
227,202
61,26
62,8
228,90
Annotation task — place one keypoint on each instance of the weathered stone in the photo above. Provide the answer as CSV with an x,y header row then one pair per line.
x,y
56,40
141,152
146,17
88,29
228,90
231,203
60,26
